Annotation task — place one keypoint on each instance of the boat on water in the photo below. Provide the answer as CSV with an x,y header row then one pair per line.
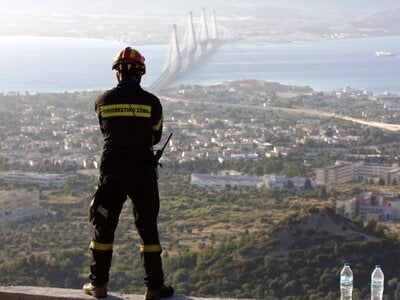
x,y
384,53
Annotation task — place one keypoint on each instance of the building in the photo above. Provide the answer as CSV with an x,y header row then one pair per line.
x,y
377,205
377,212
365,171
393,176
395,204
223,181
233,179
347,208
340,172
17,205
275,182
38,179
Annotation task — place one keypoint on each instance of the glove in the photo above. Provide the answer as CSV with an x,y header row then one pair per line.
x,y
98,213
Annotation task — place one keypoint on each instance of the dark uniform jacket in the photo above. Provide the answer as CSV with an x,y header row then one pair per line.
x,y
130,119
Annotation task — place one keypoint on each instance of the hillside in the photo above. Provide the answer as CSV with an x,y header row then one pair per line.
x,y
387,18
300,257
306,232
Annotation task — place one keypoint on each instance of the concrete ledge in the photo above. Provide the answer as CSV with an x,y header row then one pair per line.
x,y
44,293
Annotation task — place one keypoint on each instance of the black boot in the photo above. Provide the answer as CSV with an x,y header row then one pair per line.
x,y
158,293
95,291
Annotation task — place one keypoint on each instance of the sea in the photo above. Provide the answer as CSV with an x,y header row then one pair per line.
x,y
31,64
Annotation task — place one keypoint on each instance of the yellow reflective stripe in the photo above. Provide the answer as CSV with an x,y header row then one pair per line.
x,y
125,110
100,246
102,211
158,125
150,248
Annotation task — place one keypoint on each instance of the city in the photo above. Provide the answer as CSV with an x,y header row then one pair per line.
x,y
230,123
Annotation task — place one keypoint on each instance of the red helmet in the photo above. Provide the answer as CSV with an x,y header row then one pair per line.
x,y
129,57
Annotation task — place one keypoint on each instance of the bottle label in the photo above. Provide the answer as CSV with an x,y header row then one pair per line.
x,y
377,285
346,282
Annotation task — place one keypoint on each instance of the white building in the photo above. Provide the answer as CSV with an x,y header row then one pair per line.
x,y
348,208
38,179
223,181
275,182
281,181
233,179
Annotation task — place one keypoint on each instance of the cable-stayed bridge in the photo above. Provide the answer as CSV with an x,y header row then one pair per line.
x,y
194,48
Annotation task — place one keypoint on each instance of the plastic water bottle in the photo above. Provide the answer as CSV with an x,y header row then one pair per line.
x,y
346,283
377,281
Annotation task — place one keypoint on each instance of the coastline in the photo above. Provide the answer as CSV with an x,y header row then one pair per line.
x,y
265,40
327,65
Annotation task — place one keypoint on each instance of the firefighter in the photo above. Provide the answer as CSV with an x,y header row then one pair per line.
x,y
130,120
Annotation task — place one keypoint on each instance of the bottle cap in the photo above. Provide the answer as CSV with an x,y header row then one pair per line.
x,y
377,266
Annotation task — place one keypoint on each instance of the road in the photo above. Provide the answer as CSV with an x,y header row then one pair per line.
x,y
302,111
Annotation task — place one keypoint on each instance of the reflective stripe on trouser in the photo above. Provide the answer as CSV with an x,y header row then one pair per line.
x,y
101,246
151,248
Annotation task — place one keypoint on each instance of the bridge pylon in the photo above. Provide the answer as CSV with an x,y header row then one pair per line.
x,y
173,59
203,32
214,28
190,42
181,60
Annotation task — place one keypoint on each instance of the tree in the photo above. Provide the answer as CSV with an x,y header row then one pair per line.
x,y
3,163
291,169
307,184
329,132
371,224
379,229
289,184
359,221
323,193
80,183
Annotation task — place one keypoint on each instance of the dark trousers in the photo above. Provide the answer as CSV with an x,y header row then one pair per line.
x,y
138,180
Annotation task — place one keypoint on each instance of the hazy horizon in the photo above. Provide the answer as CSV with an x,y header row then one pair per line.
x,y
181,7
249,21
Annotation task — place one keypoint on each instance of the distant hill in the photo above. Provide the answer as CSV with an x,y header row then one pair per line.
x,y
388,18
301,256
151,22
134,7
341,4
